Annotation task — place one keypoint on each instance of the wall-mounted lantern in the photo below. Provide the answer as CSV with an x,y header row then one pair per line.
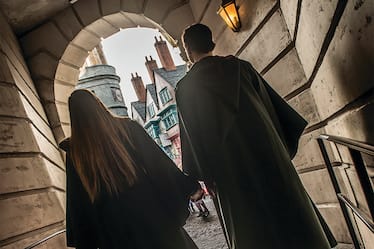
x,y
229,14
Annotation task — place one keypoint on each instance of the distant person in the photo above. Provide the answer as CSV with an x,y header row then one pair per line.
x,y
239,136
122,190
203,210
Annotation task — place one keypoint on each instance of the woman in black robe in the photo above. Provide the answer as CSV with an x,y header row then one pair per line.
x,y
122,190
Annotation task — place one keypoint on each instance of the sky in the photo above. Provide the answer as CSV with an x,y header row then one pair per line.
x,y
126,51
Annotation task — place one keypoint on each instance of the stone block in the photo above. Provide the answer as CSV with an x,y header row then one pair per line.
x,y
67,73
68,23
5,75
11,48
28,93
7,34
42,65
183,16
289,10
45,89
315,20
356,124
119,20
63,112
368,160
212,20
57,242
287,74
26,213
61,196
63,91
132,6
88,11
319,186
40,38
37,121
10,103
24,173
21,81
102,28
53,116
344,154
60,134
16,136
19,65
197,8
254,12
309,154
157,10
67,130
110,6
86,40
57,176
305,105
335,219
48,149
366,235
358,194
346,71
140,20
268,43
75,55
344,181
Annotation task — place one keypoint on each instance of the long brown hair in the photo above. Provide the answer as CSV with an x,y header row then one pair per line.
x,y
99,146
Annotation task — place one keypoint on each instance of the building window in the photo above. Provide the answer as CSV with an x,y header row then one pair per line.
x,y
170,118
151,110
165,96
117,95
168,151
153,131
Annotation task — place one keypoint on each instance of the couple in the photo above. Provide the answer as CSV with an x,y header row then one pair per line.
x,y
238,136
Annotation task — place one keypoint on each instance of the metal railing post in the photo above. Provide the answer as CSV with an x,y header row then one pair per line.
x,y
364,179
335,184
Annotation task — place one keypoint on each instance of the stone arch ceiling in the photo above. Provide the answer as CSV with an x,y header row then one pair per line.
x,y
56,50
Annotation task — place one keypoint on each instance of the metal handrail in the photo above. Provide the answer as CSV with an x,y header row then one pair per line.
x,y
355,149
39,242
350,143
365,219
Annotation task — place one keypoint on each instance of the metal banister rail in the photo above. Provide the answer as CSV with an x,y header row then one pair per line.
x,y
355,149
45,239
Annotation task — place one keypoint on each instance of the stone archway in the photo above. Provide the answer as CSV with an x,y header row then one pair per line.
x,y
317,54
56,50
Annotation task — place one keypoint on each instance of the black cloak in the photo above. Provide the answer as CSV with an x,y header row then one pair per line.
x,y
149,215
239,135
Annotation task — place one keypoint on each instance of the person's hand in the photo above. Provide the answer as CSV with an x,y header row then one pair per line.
x,y
198,195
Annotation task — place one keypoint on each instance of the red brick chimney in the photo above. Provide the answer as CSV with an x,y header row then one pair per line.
x,y
137,84
164,54
151,65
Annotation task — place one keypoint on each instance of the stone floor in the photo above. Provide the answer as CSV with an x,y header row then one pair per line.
x,y
207,233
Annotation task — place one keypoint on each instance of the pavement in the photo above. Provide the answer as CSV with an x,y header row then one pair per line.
x,y
207,232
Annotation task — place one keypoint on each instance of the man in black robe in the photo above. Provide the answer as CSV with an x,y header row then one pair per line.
x,y
239,136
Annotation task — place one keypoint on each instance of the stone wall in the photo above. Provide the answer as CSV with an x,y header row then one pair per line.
x,y
32,174
319,55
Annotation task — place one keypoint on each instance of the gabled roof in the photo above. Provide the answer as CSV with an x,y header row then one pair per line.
x,y
151,88
140,108
173,76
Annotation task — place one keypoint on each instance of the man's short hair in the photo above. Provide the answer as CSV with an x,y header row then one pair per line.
x,y
198,38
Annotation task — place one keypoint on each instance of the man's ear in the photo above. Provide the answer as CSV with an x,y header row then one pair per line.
x,y
188,53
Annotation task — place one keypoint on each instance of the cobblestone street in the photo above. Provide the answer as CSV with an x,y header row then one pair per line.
x,y
207,233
